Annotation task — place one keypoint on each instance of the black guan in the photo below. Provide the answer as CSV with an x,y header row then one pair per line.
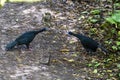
x,y
88,43
26,38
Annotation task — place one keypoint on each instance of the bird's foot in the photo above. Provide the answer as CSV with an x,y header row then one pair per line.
x,y
29,49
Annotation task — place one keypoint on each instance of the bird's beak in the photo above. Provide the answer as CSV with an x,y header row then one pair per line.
x,y
47,29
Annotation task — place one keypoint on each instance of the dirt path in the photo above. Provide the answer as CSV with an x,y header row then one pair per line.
x,y
19,64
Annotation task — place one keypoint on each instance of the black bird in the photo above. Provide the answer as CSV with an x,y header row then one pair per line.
x,y
88,43
25,39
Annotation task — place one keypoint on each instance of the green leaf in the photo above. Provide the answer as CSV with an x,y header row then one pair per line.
x,y
114,48
93,30
93,20
89,65
116,17
113,31
117,4
110,20
118,65
118,33
95,12
118,43
97,64
108,60
117,11
108,42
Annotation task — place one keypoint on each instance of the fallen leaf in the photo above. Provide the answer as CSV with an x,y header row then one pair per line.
x,y
95,71
69,60
74,55
64,50
18,59
109,71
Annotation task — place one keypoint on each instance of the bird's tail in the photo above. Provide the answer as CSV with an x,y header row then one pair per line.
x,y
10,45
103,49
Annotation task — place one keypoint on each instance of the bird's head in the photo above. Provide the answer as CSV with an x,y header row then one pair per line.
x,y
70,32
45,29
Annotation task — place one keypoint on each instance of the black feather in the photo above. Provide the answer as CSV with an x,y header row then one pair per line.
x,y
10,46
25,38
88,43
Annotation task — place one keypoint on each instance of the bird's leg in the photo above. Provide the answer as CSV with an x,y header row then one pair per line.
x,y
89,52
27,45
18,46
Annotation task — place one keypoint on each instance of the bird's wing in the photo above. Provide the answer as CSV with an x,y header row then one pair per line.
x,y
89,43
23,40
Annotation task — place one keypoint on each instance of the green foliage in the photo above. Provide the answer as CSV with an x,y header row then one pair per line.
x,y
92,20
95,12
94,64
118,75
108,42
114,48
93,31
114,19
118,33
117,46
118,43
112,30
117,4
95,16
111,20
118,65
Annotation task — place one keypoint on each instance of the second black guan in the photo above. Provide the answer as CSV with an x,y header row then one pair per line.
x,y
88,43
